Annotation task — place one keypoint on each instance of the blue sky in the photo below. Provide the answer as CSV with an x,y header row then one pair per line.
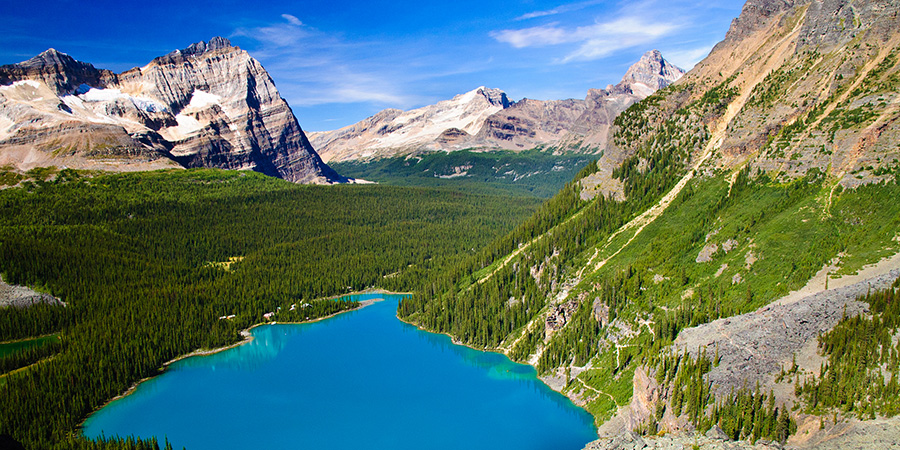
x,y
339,61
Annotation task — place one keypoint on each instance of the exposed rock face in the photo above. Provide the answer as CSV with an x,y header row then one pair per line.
x,y
57,70
23,297
485,119
209,105
650,74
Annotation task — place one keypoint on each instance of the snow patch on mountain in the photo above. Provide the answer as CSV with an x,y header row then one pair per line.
x,y
201,99
19,84
111,95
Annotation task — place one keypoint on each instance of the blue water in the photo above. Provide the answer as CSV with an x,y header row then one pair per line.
x,y
361,379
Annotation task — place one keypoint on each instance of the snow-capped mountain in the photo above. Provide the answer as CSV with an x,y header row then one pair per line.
x,y
208,105
485,119
393,131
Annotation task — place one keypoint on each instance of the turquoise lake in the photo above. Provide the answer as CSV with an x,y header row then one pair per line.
x,y
361,379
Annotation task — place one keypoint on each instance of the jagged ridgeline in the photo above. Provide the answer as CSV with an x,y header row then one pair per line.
x,y
776,155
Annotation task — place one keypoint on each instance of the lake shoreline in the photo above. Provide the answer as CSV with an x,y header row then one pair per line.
x,y
287,369
542,379
247,337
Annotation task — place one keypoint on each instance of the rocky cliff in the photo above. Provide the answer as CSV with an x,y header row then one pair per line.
x,y
209,105
486,119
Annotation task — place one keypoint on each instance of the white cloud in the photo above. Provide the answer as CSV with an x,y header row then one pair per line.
x,y
596,40
282,34
535,36
293,20
559,10
604,39
342,84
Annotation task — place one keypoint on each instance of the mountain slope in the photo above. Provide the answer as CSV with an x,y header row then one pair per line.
x,y
209,105
485,119
774,159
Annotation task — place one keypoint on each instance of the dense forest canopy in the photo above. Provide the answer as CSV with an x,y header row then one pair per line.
x,y
150,263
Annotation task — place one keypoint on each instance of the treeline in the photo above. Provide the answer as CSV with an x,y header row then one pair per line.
x,y
138,258
36,320
860,375
483,313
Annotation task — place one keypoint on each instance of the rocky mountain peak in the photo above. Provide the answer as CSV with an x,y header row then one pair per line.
x,y
653,71
59,71
208,105
495,97
198,48
49,58
52,60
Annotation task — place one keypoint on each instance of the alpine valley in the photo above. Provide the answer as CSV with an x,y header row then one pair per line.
x,y
720,268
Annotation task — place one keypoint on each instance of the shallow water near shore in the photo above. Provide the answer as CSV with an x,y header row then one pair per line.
x,y
361,379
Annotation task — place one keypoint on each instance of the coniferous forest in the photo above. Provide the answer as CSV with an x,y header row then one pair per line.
x,y
155,265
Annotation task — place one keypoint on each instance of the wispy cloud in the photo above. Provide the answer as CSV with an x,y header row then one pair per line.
x,y
315,68
293,20
559,10
595,41
288,33
544,35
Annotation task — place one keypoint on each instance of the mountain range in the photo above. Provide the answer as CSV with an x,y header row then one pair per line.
x,y
208,105
212,105
485,119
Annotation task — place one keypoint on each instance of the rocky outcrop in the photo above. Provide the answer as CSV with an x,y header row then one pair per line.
x,y
632,441
22,297
754,347
486,119
208,105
